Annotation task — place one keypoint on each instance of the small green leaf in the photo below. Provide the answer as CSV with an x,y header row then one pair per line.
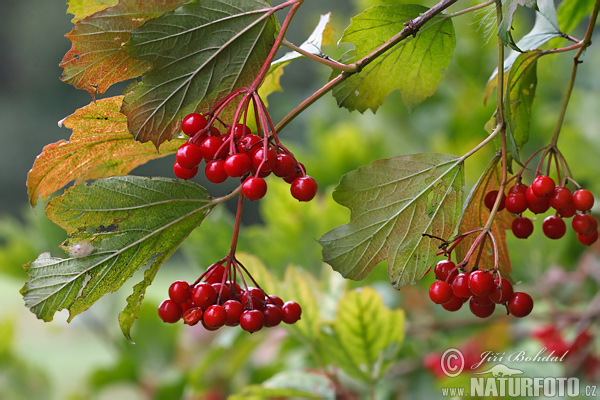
x,y
414,66
84,8
317,385
117,225
199,53
393,203
301,287
365,329
572,12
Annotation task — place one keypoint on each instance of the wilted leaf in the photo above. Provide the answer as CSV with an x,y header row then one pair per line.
x,y
123,223
199,53
99,147
393,203
476,215
363,329
414,66
97,59
84,8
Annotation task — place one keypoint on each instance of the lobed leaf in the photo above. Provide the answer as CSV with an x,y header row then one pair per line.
x,y
414,66
99,147
124,223
96,59
199,53
476,215
393,203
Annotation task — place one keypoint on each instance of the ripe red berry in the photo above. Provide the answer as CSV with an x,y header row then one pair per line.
x,y
542,186
192,316
234,310
254,298
554,227
583,200
215,316
518,188
184,173
460,285
223,292
304,188
454,304
291,312
481,310
516,203
490,199
284,166
269,157
193,123
248,144
215,274
502,295
443,269
568,211
239,131
561,198
584,224
522,227
274,300
215,171
536,204
520,304
588,240
212,148
440,292
238,164
180,292
273,315
188,155
254,188
170,311
204,295
252,320
481,283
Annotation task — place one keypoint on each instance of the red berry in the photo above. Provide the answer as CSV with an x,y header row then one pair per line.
x,y
502,295
443,269
192,316
291,312
204,295
520,304
518,188
238,164
460,285
304,188
223,292
269,157
561,198
215,316
180,292
273,315
215,274
454,304
481,283
542,186
170,311
254,188
584,224
184,173
253,298
215,171
239,131
284,166
588,240
490,199
536,204
481,310
213,148
568,211
583,200
234,310
252,320
516,203
440,292
193,123
522,227
248,144
188,155
554,227
274,300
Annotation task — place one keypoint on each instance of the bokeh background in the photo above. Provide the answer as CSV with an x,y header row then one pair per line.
x,y
89,358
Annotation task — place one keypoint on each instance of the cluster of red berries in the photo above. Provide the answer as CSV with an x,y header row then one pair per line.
x,y
453,288
538,198
216,302
239,154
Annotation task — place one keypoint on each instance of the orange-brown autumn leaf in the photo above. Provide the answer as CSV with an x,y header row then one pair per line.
x,y
96,59
476,215
100,146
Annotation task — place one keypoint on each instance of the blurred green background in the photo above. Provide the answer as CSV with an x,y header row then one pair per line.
x,y
89,358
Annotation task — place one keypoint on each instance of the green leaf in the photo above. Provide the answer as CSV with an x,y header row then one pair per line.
x,y
199,53
96,59
572,12
99,147
117,225
301,287
257,392
414,66
317,385
365,329
505,27
393,202
84,8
